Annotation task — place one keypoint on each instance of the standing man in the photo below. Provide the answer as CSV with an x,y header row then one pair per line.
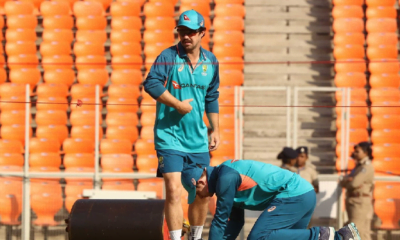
x,y
286,199
305,170
184,80
359,185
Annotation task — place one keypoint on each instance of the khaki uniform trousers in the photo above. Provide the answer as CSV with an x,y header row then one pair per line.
x,y
360,212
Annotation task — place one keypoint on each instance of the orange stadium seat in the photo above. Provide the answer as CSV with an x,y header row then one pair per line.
x,y
90,62
11,208
352,38
383,190
29,76
145,147
18,8
20,47
46,205
159,36
75,189
385,108
231,78
356,135
11,159
120,9
58,22
125,35
384,66
11,103
70,2
91,23
122,132
155,186
116,104
12,89
79,91
10,146
377,39
385,136
87,8
118,185
348,52
347,2
88,104
386,151
82,49
381,12
385,209
159,9
228,50
20,34
356,121
229,9
3,75
15,132
117,170
377,3
79,180
382,52
126,76
13,117
202,7
233,37
350,165
344,25
38,145
231,63
48,49
129,48
53,8
58,35
126,22
155,23
74,160
115,146
51,117
384,94
154,49
147,119
62,76
36,3
91,36
93,77
110,161
228,1
147,163
381,25
350,79
349,11
21,21
356,94
106,3
388,166
57,62
382,122
122,119
228,24
52,90
78,145
384,80
148,105
45,159
127,62
226,148
22,61
147,133
59,132
85,132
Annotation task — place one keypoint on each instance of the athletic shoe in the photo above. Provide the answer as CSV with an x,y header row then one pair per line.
x,y
326,233
349,232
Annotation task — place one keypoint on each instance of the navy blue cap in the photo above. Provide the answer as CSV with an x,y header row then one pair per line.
x,y
190,175
302,149
287,153
191,19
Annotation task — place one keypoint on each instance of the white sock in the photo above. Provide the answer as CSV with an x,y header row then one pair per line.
x,y
195,232
175,235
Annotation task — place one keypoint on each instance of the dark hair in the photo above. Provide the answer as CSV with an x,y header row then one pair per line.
x,y
366,147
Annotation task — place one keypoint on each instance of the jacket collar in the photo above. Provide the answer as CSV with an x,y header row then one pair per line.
x,y
182,52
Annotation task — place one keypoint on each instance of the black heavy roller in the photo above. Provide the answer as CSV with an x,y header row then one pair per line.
x,y
98,219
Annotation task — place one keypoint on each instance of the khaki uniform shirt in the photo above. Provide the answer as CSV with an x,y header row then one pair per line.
x,y
290,168
309,174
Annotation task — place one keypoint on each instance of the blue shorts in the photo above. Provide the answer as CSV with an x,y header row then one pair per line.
x,y
174,161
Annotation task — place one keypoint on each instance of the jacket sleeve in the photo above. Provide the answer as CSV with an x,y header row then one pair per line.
x,y
235,224
361,177
212,95
227,185
155,81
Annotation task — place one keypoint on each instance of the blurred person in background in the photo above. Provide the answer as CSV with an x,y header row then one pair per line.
x,y
289,158
359,186
305,169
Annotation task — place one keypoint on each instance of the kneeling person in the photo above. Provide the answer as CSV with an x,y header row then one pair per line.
x,y
288,201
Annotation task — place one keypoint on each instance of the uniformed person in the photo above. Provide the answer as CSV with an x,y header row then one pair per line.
x,y
359,186
289,158
305,169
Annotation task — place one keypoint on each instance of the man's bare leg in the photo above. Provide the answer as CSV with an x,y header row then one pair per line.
x,y
197,217
173,207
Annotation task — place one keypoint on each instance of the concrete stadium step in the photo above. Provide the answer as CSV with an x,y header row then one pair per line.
x,y
305,3
253,26
301,68
285,40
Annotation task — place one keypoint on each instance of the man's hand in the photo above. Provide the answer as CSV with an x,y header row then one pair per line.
x,y
184,106
214,141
